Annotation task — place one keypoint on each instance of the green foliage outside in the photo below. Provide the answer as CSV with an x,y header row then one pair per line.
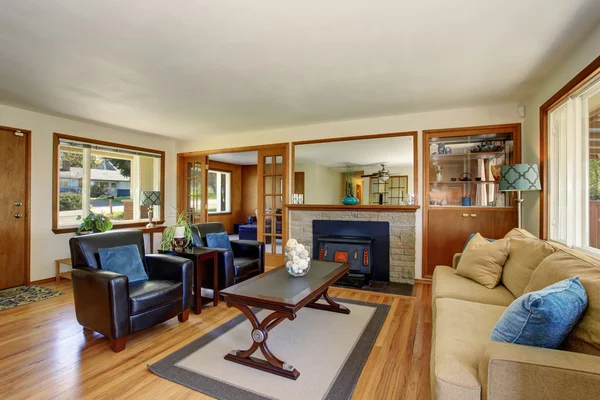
x,y
118,215
594,166
69,202
96,191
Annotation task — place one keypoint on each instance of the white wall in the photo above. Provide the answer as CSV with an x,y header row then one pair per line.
x,y
322,185
499,114
584,54
45,245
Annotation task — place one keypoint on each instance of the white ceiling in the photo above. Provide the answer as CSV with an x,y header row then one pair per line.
x,y
394,152
187,68
241,158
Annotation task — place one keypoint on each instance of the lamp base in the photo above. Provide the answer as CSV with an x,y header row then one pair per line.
x,y
150,216
151,225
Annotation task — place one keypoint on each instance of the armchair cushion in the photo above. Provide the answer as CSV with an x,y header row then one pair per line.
x,y
243,266
218,240
146,295
124,260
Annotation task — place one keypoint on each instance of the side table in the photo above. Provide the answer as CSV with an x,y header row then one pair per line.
x,y
201,256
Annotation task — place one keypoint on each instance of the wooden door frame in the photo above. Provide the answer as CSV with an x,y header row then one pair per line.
x,y
572,86
27,200
454,132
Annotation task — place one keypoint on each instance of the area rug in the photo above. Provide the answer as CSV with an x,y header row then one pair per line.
x,y
329,349
22,295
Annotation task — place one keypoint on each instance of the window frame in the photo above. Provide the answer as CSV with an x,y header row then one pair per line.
x,y
581,79
56,181
228,187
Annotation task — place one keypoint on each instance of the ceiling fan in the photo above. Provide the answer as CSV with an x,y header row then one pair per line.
x,y
383,174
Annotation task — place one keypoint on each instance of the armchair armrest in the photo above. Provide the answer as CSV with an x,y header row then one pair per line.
x,y
455,260
172,268
511,371
102,301
250,249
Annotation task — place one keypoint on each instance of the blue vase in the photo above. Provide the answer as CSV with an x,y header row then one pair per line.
x,y
350,200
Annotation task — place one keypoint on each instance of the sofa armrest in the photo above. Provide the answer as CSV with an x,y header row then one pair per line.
x,y
249,249
101,301
511,371
455,260
172,268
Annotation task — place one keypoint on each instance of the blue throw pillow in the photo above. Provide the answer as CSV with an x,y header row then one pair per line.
x,y
124,260
543,318
218,240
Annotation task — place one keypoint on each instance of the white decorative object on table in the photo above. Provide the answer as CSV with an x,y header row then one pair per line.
x,y
297,258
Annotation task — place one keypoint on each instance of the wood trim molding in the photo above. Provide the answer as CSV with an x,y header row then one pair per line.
x,y
414,134
232,150
55,180
27,246
360,207
578,81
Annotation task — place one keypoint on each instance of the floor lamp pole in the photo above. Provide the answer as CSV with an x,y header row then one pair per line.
x,y
519,201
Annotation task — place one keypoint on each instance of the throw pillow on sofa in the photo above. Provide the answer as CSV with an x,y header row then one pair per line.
x,y
482,261
124,260
218,240
543,318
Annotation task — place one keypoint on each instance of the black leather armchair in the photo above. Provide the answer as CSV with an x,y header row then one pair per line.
x,y
105,302
245,261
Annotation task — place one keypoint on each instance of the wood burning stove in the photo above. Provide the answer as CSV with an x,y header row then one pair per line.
x,y
356,250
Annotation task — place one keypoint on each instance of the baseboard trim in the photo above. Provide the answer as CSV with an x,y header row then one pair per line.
x,y
42,281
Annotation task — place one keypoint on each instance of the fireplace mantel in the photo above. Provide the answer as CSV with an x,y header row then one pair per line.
x,y
359,207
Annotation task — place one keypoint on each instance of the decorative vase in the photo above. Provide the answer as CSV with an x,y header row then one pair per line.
x,y
439,174
496,171
297,258
350,200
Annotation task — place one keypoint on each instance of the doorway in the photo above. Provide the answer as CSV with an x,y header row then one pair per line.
x,y
243,188
15,177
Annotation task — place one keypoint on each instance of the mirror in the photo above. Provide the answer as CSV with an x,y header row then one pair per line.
x,y
363,171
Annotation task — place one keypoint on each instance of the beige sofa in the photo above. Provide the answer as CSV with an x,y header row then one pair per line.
x,y
466,365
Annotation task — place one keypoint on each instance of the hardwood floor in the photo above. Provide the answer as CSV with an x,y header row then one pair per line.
x,y
44,352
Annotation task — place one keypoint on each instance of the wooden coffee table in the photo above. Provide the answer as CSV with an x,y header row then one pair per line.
x,y
283,294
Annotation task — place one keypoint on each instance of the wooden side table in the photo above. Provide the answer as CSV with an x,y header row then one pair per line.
x,y
151,232
200,256
67,274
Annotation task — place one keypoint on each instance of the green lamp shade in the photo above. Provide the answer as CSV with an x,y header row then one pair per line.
x,y
151,198
520,177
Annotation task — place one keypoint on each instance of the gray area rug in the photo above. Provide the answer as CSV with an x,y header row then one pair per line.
x,y
22,295
192,366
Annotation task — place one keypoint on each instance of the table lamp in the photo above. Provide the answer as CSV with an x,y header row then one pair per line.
x,y
150,198
517,178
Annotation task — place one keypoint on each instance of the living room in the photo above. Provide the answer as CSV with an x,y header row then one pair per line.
x,y
358,145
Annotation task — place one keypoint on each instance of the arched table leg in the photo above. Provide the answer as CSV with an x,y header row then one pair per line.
x,y
330,306
260,334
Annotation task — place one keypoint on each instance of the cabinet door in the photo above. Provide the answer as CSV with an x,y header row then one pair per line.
x,y
493,224
447,233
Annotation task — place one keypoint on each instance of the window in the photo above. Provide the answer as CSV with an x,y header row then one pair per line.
x,y
219,192
105,178
574,168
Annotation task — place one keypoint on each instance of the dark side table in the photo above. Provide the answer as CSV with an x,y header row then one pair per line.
x,y
201,257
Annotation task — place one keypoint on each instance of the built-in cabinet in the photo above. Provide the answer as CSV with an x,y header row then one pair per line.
x,y
461,184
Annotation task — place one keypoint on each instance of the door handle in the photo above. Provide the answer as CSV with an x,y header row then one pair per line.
x,y
18,204
465,215
18,215
473,215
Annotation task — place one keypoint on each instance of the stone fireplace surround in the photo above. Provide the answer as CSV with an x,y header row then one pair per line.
x,y
402,234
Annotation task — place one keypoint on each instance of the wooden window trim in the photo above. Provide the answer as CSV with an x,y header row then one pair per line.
x,y
572,86
55,181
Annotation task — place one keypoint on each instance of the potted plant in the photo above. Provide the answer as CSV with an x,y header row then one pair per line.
x,y
94,223
179,235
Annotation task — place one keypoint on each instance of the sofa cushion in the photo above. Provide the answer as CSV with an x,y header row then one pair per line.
x,y
218,240
462,330
124,260
525,254
543,318
146,295
563,264
483,261
448,284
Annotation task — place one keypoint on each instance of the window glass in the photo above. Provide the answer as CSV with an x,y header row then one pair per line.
x,y
219,192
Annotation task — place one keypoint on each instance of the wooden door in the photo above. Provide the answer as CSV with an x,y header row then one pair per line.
x,y
14,206
193,182
447,233
493,224
272,198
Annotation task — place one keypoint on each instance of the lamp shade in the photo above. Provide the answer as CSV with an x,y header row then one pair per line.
x,y
520,177
150,198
